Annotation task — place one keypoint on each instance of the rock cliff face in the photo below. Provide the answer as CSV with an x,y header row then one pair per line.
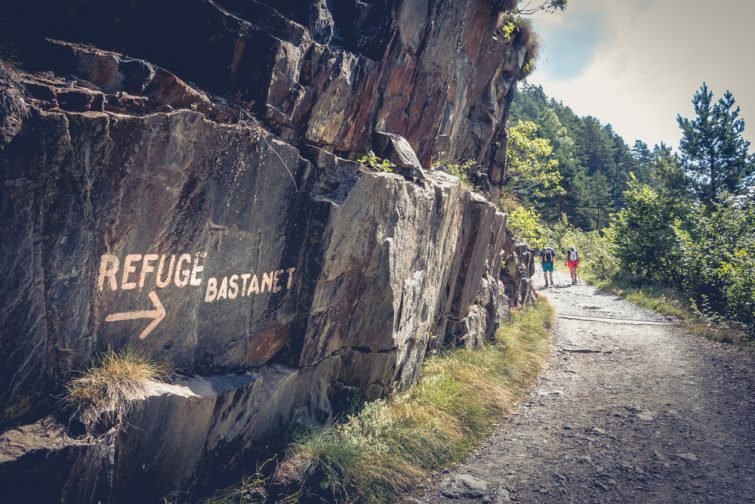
x,y
221,226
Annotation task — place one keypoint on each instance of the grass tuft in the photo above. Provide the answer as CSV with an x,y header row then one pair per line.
x,y
108,388
384,451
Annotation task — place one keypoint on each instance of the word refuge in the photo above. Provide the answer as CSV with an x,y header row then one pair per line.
x,y
151,270
186,270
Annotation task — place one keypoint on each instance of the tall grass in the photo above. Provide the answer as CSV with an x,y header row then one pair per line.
x,y
387,449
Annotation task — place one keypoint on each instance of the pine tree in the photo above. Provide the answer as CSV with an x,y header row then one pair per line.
x,y
667,176
644,157
600,200
714,153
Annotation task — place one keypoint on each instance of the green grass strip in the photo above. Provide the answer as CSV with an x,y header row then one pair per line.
x,y
391,446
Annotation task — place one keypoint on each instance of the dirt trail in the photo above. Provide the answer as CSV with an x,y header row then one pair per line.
x,y
624,413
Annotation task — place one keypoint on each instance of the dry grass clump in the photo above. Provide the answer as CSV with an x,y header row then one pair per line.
x,y
384,451
108,388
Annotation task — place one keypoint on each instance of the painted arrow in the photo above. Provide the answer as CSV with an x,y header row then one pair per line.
x,y
157,315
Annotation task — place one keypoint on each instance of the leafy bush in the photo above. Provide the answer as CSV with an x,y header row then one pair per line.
x,y
719,261
707,251
647,235
525,224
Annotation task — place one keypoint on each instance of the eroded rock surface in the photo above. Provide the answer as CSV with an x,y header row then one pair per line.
x,y
188,190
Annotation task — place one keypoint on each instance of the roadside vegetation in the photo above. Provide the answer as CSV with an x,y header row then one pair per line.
x,y
622,259
673,232
390,447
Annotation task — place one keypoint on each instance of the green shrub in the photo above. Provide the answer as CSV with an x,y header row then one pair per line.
x,y
647,235
461,171
526,225
719,261
707,252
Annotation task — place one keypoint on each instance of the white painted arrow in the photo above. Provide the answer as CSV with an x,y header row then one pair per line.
x,y
157,315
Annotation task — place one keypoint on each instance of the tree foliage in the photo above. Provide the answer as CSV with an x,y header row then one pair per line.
x,y
684,220
645,234
531,171
526,225
667,176
714,153
547,6
583,148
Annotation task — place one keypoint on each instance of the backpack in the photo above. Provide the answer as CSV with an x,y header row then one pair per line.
x,y
548,255
573,255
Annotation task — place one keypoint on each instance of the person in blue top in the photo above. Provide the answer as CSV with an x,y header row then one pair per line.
x,y
548,260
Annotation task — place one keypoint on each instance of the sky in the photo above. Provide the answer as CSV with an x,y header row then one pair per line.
x,y
637,63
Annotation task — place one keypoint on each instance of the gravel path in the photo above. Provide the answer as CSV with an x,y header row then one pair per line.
x,y
626,412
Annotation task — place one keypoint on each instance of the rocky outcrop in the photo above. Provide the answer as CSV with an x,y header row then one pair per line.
x,y
222,227
517,271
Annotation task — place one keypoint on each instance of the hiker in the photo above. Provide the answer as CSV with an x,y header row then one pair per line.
x,y
572,262
548,259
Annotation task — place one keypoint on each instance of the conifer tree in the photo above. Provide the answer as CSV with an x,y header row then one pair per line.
x,y
714,153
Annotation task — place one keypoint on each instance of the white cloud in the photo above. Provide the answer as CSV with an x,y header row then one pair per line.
x,y
651,57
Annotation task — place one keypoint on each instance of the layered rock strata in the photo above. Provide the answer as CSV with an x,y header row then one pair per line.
x,y
221,226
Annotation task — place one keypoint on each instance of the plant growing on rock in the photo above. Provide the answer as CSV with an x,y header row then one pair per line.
x,y
376,163
461,171
251,490
111,385
517,30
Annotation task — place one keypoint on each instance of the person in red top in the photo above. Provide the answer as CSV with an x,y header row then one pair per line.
x,y
572,261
